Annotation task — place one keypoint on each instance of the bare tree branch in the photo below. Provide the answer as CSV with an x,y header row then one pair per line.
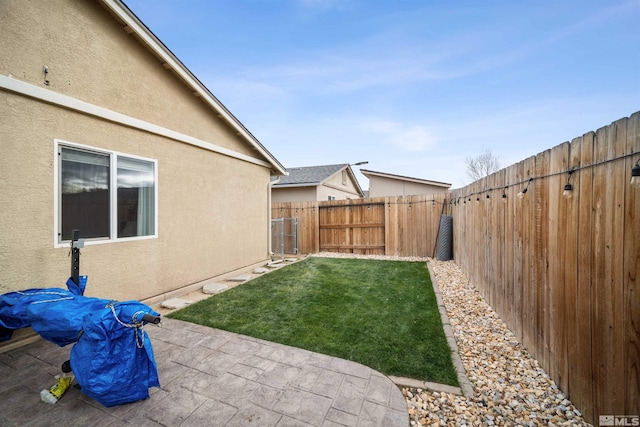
x,y
482,165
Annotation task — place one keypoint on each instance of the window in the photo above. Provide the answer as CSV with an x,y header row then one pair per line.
x,y
84,187
332,197
136,197
102,204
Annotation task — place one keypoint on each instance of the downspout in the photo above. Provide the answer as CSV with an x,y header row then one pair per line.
x,y
269,236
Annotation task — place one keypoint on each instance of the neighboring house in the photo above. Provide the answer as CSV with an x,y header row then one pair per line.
x,y
104,130
385,184
316,183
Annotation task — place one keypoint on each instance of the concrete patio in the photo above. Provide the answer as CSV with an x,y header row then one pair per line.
x,y
209,377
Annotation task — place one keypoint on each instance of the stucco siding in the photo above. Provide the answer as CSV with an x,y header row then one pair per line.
x,y
381,187
313,194
343,191
205,224
213,209
92,58
325,191
294,194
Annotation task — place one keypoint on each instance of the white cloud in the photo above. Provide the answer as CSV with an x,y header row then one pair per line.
x,y
406,137
354,69
415,138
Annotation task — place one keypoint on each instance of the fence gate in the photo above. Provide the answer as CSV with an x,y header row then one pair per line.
x,y
284,236
357,228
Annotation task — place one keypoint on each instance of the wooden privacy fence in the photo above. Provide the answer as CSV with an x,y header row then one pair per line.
x,y
399,226
563,272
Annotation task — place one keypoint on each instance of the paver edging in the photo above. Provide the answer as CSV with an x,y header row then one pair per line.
x,y
431,386
465,384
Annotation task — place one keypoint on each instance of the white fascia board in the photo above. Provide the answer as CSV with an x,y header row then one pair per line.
x,y
355,181
352,176
152,42
55,98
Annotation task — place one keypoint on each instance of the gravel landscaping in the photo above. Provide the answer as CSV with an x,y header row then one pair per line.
x,y
509,385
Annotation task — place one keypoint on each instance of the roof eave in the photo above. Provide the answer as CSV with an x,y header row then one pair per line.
x,y
355,181
351,174
149,39
300,184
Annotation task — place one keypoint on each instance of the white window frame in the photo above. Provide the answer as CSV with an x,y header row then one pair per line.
x,y
113,195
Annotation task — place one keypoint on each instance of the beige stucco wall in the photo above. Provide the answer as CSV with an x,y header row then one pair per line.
x,y
334,187
213,210
92,58
294,194
381,187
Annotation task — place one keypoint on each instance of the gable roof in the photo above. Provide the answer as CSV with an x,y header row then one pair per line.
x,y
369,173
308,175
133,25
311,176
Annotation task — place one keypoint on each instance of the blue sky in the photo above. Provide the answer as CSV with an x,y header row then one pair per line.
x,y
412,86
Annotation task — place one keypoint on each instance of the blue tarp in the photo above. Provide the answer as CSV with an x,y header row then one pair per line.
x,y
55,314
112,360
114,363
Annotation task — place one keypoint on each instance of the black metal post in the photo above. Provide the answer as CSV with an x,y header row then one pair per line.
x,y
75,258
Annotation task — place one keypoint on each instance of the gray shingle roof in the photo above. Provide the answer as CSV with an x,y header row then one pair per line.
x,y
311,175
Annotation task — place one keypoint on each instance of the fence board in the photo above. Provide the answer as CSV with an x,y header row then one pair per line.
x,y
390,224
571,263
540,201
601,320
631,309
606,301
494,231
556,253
528,255
514,298
581,369
618,179
512,249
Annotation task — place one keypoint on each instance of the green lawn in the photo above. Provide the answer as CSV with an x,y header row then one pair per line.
x,y
382,314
